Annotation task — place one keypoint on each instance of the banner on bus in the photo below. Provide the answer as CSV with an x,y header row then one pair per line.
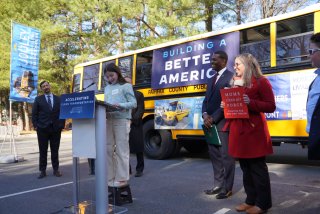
x,y
179,113
190,63
25,49
291,92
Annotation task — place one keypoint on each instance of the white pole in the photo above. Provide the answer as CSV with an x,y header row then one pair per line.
x,y
12,141
10,125
10,106
75,169
101,157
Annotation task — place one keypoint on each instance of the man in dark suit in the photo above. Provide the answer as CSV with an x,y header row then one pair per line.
x,y
313,103
136,142
45,119
223,164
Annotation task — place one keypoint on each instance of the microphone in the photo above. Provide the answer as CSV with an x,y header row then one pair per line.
x,y
88,86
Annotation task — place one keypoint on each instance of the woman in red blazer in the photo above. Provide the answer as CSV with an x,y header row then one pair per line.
x,y
249,139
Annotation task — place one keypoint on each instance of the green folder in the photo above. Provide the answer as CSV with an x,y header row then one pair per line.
x,y
211,134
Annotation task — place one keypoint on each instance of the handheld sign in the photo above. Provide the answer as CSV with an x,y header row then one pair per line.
x,y
234,106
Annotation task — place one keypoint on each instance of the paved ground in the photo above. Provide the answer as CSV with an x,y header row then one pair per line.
x,y
171,186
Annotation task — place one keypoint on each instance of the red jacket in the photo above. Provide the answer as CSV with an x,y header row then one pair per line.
x,y
250,138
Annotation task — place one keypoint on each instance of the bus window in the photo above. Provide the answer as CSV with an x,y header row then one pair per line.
x,y
76,83
91,77
144,67
125,65
256,41
293,39
103,78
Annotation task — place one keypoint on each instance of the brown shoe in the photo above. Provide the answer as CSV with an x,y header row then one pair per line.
x,y
243,207
255,210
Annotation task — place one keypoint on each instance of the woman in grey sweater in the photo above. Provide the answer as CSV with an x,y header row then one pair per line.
x,y
120,94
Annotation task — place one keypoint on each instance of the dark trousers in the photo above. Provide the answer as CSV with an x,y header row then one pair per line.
x,y
223,164
91,162
46,135
256,182
140,162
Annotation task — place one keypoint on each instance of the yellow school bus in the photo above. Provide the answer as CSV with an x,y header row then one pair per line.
x,y
172,115
177,71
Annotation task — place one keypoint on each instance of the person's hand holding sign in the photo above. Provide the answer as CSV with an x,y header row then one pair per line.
x,y
222,104
246,99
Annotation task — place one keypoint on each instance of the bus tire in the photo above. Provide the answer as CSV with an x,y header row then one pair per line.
x,y
157,143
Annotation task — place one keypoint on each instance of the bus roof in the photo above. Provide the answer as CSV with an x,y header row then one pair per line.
x,y
307,10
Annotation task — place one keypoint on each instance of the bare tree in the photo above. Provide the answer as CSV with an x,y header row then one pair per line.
x,y
269,8
241,11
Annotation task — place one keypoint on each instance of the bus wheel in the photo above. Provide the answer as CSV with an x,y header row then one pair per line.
x,y
195,147
157,143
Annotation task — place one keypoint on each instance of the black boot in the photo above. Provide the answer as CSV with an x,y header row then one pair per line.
x,y
91,162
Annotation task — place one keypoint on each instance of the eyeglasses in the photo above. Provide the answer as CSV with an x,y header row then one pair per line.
x,y
312,51
237,64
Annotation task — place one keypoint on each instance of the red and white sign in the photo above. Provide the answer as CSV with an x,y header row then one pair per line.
x,y
234,106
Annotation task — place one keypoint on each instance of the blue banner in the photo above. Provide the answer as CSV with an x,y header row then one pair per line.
x,y
190,63
77,105
25,49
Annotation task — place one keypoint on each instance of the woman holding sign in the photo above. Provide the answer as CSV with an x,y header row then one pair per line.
x,y
249,138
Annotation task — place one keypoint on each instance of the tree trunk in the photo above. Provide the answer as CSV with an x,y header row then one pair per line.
x,y
26,117
209,13
121,35
138,27
238,11
169,14
81,42
1,107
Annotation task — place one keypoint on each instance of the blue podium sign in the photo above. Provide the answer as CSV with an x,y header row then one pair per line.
x,y
77,105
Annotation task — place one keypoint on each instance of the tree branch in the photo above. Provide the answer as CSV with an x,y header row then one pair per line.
x,y
144,22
